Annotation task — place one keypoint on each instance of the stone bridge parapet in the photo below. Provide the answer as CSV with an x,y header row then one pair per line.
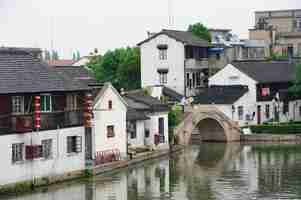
x,y
212,125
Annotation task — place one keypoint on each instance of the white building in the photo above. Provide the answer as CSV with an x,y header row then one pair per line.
x,y
41,126
109,123
147,121
253,92
175,59
42,116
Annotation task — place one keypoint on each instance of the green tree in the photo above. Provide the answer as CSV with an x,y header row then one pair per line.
x,y
73,56
47,55
54,55
77,55
295,90
201,31
121,67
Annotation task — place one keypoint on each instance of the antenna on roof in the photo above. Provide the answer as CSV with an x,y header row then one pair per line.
x,y
170,16
51,33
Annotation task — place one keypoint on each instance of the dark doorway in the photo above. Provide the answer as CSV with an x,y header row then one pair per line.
x,y
258,114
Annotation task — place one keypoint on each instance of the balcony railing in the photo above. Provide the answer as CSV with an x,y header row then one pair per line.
x,y
194,63
22,123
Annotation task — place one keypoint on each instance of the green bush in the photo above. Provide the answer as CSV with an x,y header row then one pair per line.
x,y
277,129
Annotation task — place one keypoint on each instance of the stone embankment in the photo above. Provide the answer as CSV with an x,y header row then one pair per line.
x,y
271,138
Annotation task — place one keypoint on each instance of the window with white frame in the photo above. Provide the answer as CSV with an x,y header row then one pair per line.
x,y
163,54
46,103
17,152
110,131
74,144
72,102
18,104
240,112
163,77
47,148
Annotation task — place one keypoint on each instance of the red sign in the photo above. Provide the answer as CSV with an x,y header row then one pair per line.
x,y
37,112
265,92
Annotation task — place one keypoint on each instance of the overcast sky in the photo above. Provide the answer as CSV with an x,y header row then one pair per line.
x,y
109,24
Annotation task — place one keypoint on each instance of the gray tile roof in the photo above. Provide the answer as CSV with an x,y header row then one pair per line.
x,y
154,104
22,72
134,115
220,94
185,37
267,72
77,73
172,94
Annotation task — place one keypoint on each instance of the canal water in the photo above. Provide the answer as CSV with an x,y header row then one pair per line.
x,y
205,171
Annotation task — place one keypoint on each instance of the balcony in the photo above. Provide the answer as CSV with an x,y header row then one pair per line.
x,y
196,64
23,123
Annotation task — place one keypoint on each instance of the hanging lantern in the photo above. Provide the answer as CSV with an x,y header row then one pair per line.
x,y
88,110
37,112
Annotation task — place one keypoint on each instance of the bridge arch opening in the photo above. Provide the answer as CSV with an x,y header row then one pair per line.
x,y
210,130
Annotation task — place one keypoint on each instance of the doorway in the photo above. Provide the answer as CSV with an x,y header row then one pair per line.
x,y
258,114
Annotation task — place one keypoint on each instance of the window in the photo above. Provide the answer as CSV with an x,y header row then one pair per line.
x,y
163,77
72,102
198,79
240,112
218,56
267,111
147,132
131,126
47,148
163,54
17,152
110,132
74,144
299,110
18,104
193,80
110,105
46,103
187,80
285,107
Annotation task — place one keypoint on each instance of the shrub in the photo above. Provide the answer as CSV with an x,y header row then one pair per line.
x,y
277,129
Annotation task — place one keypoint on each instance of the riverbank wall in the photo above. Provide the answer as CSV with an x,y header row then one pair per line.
x,y
271,138
31,185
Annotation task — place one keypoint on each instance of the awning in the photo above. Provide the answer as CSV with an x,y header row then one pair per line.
x,y
216,50
162,70
162,46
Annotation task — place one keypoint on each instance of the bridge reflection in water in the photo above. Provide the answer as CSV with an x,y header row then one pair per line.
x,y
206,171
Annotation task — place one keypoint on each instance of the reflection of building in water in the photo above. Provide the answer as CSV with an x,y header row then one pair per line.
x,y
151,180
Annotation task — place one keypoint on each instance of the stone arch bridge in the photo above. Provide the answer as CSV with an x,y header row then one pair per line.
x,y
206,123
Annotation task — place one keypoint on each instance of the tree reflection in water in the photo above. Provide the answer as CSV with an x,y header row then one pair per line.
x,y
206,171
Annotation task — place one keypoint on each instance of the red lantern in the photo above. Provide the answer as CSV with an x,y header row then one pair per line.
x,y
37,112
88,111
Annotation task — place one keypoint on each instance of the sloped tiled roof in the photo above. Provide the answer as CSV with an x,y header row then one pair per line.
x,y
77,73
172,94
22,72
186,37
267,72
134,115
153,103
220,94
